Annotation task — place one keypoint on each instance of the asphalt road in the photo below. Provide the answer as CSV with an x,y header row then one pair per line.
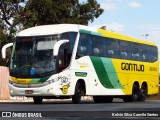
x,y
85,110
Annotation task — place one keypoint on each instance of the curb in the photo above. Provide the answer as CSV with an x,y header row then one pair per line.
x,y
10,101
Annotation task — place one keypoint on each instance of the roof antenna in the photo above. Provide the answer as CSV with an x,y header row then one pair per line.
x,y
103,27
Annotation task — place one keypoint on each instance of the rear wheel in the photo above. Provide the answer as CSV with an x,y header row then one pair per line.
x,y
37,100
143,93
79,92
135,95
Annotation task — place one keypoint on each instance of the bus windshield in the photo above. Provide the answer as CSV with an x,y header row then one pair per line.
x,y
33,56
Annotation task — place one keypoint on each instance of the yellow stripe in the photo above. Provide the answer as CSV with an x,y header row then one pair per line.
x,y
20,80
110,34
84,66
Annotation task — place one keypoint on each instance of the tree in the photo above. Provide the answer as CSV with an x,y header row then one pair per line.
x,y
42,12
3,40
10,12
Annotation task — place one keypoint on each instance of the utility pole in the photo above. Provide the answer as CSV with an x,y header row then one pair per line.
x,y
146,35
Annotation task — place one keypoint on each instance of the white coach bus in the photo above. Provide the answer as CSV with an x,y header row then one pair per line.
x,y
70,61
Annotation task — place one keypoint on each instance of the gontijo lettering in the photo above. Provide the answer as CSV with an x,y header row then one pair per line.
x,y
132,67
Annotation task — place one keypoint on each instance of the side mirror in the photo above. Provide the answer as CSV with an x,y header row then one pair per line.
x,y
57,46
4,49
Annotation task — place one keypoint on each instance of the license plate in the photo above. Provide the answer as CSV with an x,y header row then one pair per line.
x,y
29,91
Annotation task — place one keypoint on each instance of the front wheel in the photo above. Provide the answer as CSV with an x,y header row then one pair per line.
x,y
37,100
135,93
76,98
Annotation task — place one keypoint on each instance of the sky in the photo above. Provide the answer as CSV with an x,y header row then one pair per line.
x,y
136,18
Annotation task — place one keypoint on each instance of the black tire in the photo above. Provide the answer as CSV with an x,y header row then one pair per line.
x,y
135,95
38,100
142,93
79,92
102,99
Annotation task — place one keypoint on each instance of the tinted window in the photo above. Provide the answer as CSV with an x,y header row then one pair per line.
x,y
112,48
71,36
146,53
125,50
84,46
154,54
98,46
136,51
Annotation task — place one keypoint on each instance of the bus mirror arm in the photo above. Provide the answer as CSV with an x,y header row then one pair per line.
x,y
4,49
58,44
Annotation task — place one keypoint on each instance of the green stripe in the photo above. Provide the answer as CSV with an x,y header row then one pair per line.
x,y
44,79
106,72
111,72
85,31
36,80
90,32
101,72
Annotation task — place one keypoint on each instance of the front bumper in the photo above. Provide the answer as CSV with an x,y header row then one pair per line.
x,y
47,90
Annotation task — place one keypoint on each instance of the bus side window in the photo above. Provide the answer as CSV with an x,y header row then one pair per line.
x,y
135,51
146,53
154,53
124,54
64,57
83,45
112,48
98,46
110,53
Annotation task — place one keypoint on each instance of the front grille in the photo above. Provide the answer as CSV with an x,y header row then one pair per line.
x,y
29,85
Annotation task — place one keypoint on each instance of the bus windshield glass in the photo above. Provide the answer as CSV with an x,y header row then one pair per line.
x,y
33,56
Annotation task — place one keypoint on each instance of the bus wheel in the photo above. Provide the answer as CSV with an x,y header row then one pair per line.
x,y
143,93
135,95
76,98
38,100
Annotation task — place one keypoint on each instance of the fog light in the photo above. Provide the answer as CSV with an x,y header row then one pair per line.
x,y
11,91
